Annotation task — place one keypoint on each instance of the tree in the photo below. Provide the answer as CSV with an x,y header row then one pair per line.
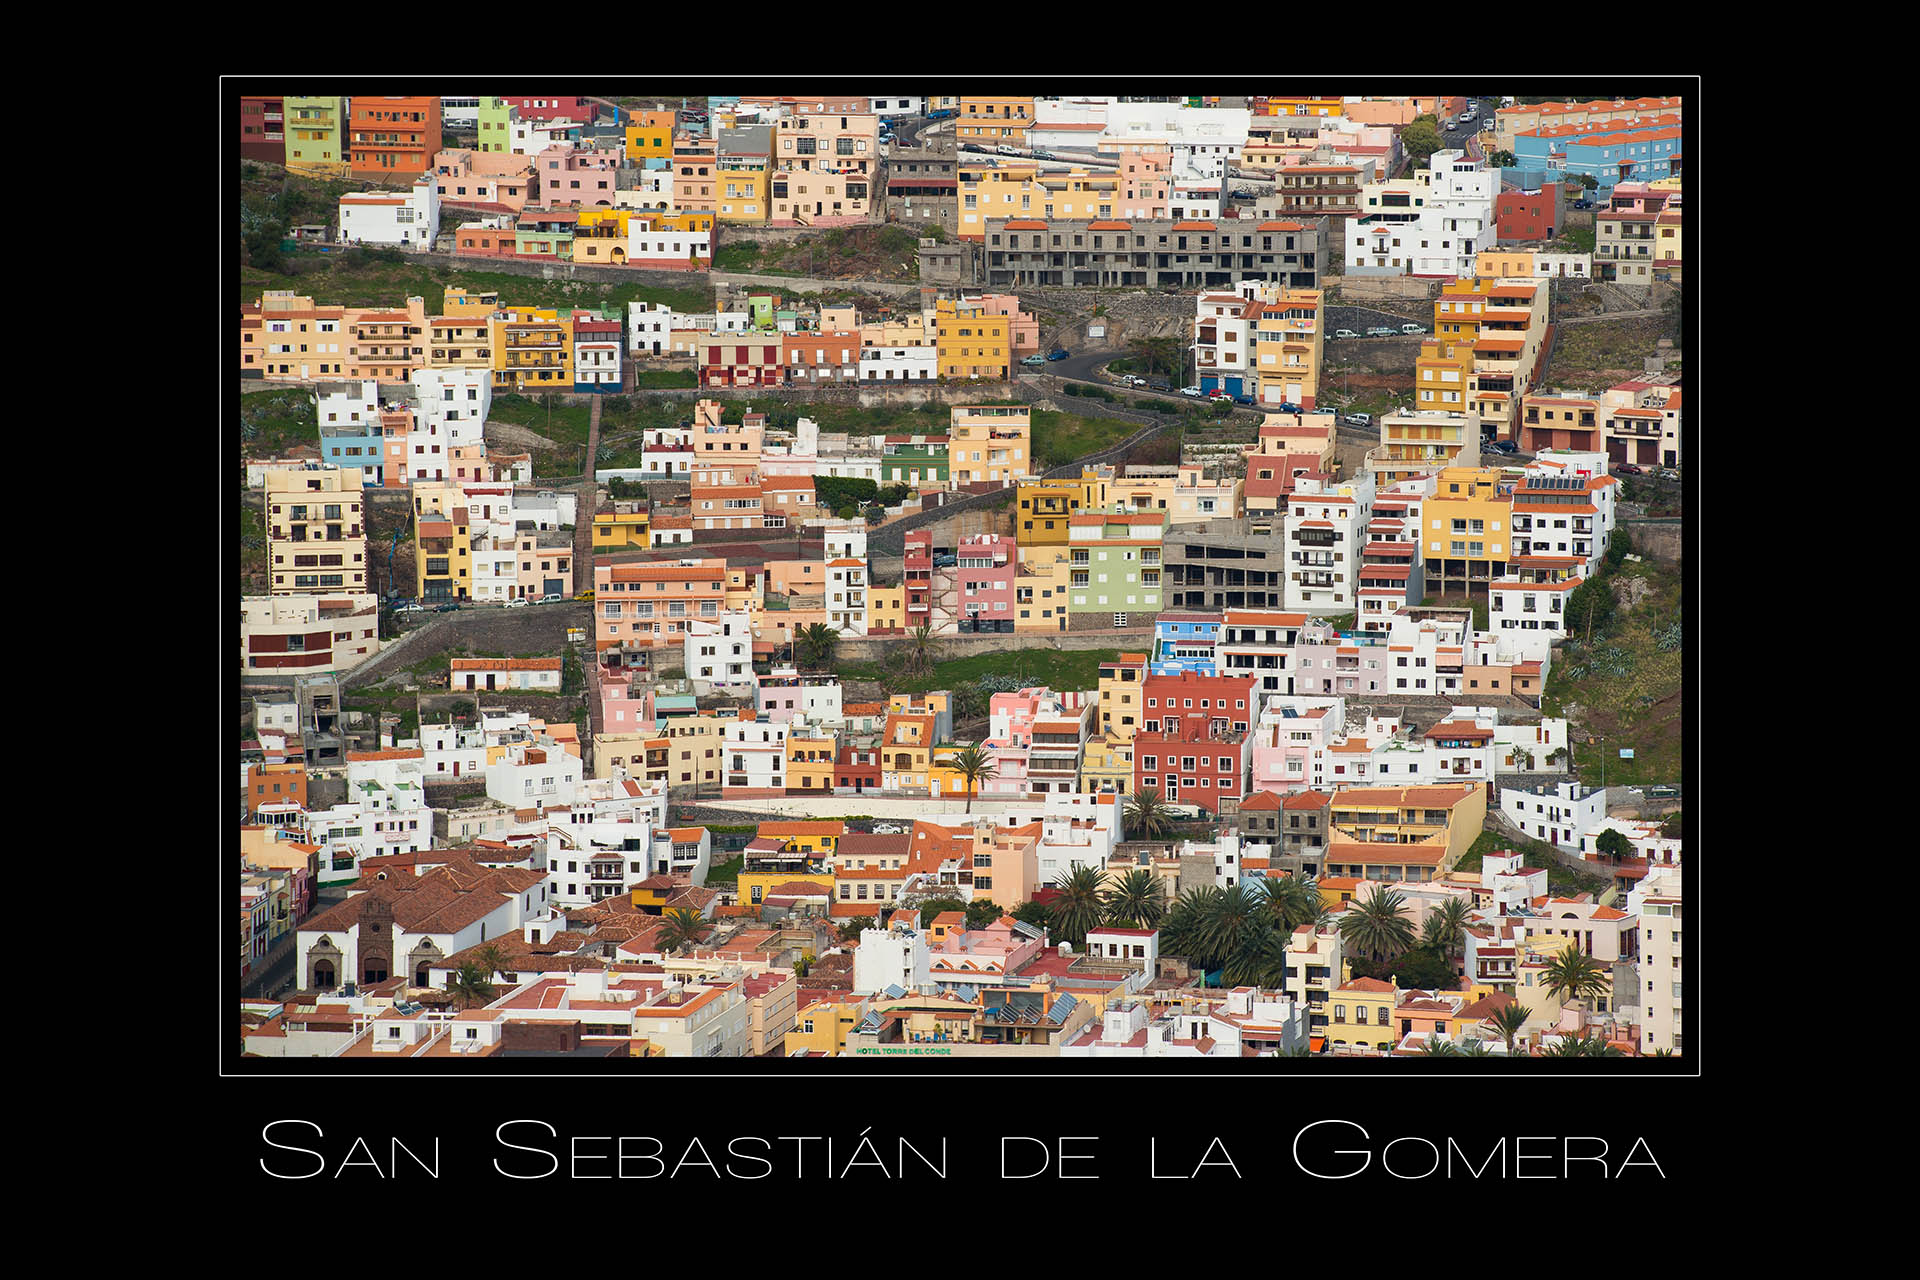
x,y
1575,975
1158,355
1136,900
1503,159
1671,826
682,927
918,653
1475,1049
967,701
982,912
852,929
1619,547
491,960
1375,926
1294,900
1446,927
937,906
1590,607
974,766
469,985
1426,969
815,645
803,964
1440,1047
1509,1019
1037,914
1148,817
1420,140
1077,907
1588,181
1614,843
1583,1046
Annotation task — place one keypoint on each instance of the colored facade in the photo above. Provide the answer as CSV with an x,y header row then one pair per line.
x,y
393,138
316,136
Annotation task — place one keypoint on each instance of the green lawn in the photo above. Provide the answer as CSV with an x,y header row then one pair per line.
x,y
1628,688
1061,438
271,422
655,379
1059,669
342,279
727,872
558,421
1561,879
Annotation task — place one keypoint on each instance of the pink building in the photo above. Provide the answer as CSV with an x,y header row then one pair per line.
x,y
977,957
483,181
984,578
620,711
570,177
1286,739
1036,738
1023,327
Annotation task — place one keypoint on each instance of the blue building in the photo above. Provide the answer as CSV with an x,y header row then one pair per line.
x,y
1609,153
1184,642
355,444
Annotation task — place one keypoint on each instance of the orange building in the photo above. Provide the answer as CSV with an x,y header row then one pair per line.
x,y
639,606
276,784
393,138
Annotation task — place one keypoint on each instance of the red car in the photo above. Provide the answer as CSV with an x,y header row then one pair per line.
x,y
1628,469
1219,395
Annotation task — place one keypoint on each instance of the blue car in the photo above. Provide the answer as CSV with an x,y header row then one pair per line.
x,y
1056,354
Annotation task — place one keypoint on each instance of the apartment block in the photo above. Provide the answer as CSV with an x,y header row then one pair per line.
x,y
316,534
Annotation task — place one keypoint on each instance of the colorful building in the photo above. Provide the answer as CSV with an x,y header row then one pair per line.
x,y
973,342
991,444
393,138
532,350
315,136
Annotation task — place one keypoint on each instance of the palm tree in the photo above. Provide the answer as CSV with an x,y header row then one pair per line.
x,y
1374,924
1575,975
918,659
1077,907
1148,817
1509,1020
1662,1053
1475,1049
1583,1046
974,766
1234,931
965,699
1135,901
491,959
1436,1047
1294,900
815,645
1446,929
682,927
469,985
1180,933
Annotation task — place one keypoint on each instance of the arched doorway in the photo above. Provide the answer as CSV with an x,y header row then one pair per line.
x,y
323,974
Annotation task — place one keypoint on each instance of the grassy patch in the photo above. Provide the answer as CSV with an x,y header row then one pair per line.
x,y
1561,879
1061,438
271,422
1058,669
350,280
1591,357
1629,690
650,379
550,416
727,872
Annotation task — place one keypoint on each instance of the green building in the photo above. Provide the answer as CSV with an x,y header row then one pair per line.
x,y
915,460
1114,563
316,134
496,125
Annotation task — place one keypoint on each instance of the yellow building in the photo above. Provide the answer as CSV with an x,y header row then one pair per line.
x,y
1306,106
1362,1014
694,743
1019,190
744,187
1040,590
1467,538
993,120
972,342
887,608
650,136
1287,345
443,556
809,838
1043,508
822,1026
1442,374
810,762
622,527
1668,243
1413,444
754,887
456,301
532,350
1106,765
1391,834
1120,705
991,444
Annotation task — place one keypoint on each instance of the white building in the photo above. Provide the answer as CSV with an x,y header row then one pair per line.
x,y
895,107
285,632
754,755
719,651
1656,903
410,220
1429,224
1559,815
899,364
451,404
459,113
1325,527
535,778
896,956
596,362
1529,618
586,862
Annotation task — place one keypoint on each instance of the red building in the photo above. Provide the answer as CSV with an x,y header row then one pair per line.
x,y
1192,746
393,139
1527,215
550,108
917,577
857,770
262,135
741,360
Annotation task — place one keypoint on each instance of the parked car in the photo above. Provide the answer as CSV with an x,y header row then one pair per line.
x,y
945,561
1244,194
518,602
1358,419
1345,333
1217,394
550,598
1132,380
1192,391
1503,446
1056,354
1284,407
1667,473
410,606
585,595
1005,150
1380,331
1250,402
1628,469
1411,328
1034,359
448,607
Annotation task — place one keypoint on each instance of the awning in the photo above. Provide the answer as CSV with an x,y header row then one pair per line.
x,y
1318,1043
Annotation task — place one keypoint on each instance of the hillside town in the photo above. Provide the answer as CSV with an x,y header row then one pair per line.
x,y
961,576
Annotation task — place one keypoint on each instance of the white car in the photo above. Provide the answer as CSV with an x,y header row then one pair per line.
x,y
1192,391
519,602
1133,381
